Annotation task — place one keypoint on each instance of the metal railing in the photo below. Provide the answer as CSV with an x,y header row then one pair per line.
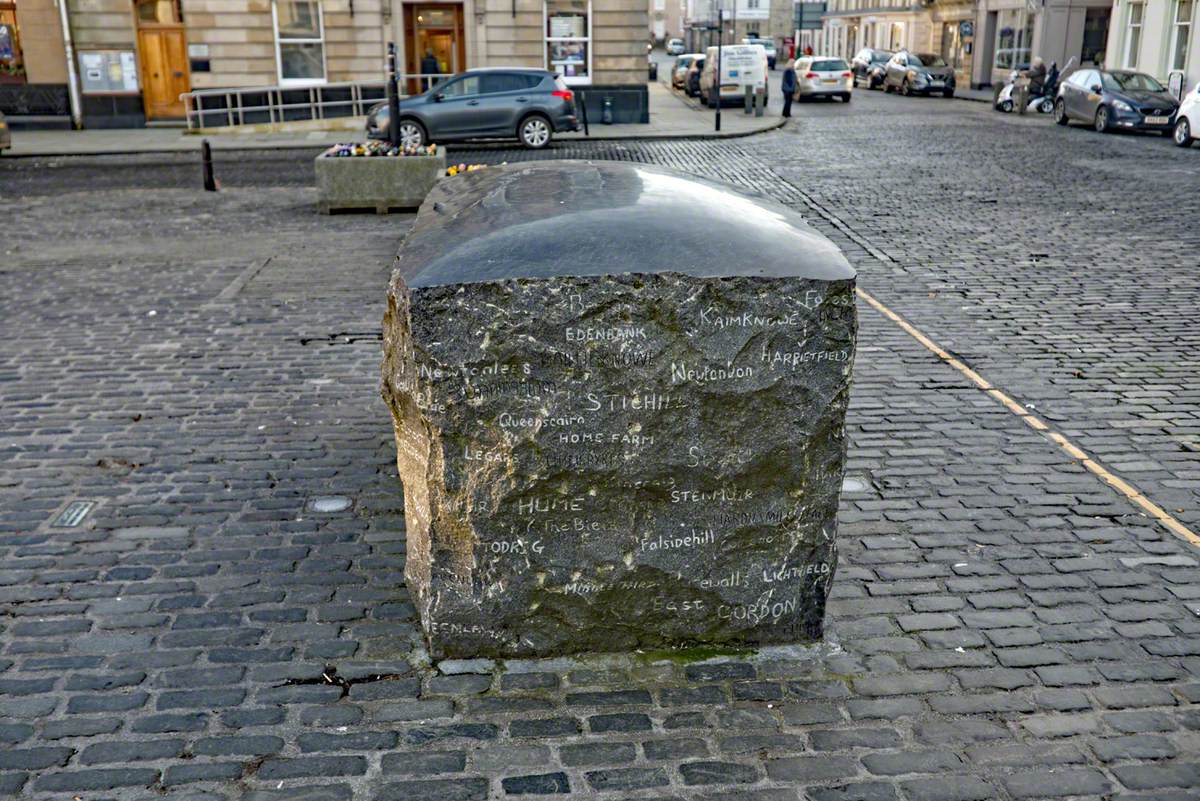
x,y
253,105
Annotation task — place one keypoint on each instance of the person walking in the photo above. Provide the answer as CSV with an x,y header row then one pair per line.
x,y
789,86
429,68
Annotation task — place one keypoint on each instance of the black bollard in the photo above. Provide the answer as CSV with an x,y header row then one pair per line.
x,y
393,99
210,183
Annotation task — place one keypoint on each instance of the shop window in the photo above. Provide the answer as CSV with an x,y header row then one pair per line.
x,y
1181,33
1133,37
12,66
568,40
299,42
1014,40
952,46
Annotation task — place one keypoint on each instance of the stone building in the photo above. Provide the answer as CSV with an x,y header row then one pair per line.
x,y
666,19
133,58
1158,37
765,19
982,39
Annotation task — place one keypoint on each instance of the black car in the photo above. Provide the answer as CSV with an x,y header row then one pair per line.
x,y
919,74
869,66
529,104
1114,99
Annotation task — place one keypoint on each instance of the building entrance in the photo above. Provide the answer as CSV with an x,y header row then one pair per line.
x,y
435,28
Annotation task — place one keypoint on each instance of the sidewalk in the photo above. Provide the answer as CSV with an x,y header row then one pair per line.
x,y
671,117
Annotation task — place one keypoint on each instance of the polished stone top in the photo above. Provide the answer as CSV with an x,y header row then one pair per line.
x,y
575,218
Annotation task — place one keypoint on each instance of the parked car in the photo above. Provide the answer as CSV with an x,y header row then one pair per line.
x,y
530,105
1187,119
919,73
1110,99
691,84
823,76
674,47
679,72
741,66
5,134
869,66
768,46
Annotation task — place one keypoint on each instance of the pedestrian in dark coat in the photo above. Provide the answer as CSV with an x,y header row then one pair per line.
x,y
429,67
789,86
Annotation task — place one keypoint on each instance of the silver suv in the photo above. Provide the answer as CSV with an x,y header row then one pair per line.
x,y
529,104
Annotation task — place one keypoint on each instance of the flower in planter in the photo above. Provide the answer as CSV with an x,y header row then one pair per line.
x,y
376,148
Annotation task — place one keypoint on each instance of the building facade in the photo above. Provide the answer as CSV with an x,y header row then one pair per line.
x,y
133,58
984,40
666,19
764,19
1158,37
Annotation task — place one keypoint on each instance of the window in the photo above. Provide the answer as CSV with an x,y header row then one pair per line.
x,y
568,39
299,42
1014,40
12,67
1133,38
1181,34
463,87
496,82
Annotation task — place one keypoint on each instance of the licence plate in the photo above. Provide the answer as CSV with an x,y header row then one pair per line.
x,y
936,83
1157,120
829,80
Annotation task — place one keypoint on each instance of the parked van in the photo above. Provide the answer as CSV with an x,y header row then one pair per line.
x,y
742,65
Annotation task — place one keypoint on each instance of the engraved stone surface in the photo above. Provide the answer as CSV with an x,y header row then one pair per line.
x,y
619,398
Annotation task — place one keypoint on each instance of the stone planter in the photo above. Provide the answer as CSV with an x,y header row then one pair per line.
x,y
379,183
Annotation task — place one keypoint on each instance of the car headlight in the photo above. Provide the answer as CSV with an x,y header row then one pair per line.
x,y
1121,105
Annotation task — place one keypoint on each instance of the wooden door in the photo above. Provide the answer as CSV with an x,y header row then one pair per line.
x,y
162,52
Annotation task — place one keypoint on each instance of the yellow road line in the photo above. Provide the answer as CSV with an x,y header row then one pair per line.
x,y
1154,510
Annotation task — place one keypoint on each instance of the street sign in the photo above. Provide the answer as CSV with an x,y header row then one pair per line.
x,y
808,16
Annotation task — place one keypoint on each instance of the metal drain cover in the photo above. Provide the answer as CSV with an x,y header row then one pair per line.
x,y
73,515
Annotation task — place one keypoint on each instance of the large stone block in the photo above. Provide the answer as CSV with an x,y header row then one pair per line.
x,y
619,398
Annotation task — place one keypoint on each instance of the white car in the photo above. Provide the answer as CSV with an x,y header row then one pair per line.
x,y
679,70
823,76
768,45
1187,119
675,47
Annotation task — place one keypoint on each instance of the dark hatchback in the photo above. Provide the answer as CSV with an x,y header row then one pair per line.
x,y
1117,99
869,66
918,74
530,105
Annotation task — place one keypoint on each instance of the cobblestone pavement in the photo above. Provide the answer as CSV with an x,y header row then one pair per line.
x,y
1004,624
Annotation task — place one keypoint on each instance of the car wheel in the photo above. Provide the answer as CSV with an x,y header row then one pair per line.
x,y
534,132
1046,106
412,133
1182,134
1102,119
846,97
1060,112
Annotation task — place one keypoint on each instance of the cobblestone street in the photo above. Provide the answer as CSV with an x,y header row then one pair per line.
x,y
1004,624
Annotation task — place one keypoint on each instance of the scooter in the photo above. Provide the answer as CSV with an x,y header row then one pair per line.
x,y
1042,104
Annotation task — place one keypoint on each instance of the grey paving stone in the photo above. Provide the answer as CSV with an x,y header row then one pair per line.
x,y
1057,783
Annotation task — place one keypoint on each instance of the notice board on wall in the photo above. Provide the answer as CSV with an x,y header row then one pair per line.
x,y
108,71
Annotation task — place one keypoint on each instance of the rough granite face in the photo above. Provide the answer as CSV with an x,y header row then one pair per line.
x,y
619,398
